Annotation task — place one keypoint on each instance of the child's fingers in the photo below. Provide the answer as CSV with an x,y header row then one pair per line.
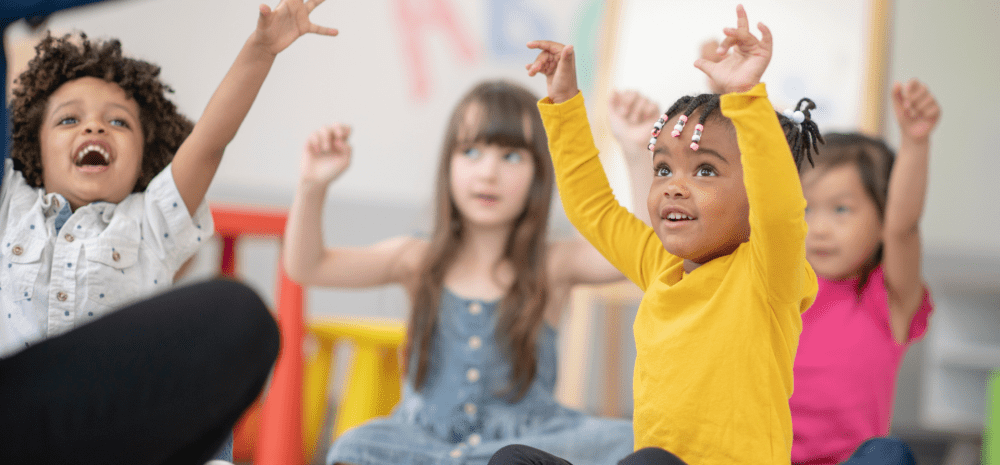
x,y
538,64
566,61
313,143
741,18
614,101
710,50
928,108
312,4
550,46
732,38
765,35
705,66
632,107
323,30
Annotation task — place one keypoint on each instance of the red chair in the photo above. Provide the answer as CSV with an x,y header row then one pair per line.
x,y
279,416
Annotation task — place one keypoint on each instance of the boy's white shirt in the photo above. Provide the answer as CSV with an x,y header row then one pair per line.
x,y
104,256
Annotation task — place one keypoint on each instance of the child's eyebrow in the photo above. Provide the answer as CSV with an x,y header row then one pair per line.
x,y
70,102
125,109
713,153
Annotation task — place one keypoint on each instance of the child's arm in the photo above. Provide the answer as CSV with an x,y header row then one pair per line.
x,y
631,117
917,113
326,155
590,205
632,114
774,193
199,156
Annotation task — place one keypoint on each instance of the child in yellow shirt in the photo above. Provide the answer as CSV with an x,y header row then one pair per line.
x,y
723,266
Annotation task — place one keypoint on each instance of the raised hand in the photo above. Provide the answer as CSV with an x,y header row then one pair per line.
x,y
557,62
277,29
917,112
710,52
631,118
741,68
326,155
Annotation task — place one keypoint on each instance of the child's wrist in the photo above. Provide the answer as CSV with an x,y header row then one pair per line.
x,y
914,142
317,186
562,97
258,47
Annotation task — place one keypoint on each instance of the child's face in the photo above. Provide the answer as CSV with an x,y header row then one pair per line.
x,y
91,140
845,228
489,183
697,203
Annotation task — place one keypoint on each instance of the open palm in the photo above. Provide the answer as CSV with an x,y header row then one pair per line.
x,y
327,154
741,68
277,29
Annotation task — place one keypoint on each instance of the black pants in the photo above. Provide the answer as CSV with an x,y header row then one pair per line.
x,y
526,455
161,381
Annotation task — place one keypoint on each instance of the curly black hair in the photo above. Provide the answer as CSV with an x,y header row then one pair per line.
x,y
60,60
803,138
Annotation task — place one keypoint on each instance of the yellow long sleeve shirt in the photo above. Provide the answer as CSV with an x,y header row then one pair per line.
x,y
715,347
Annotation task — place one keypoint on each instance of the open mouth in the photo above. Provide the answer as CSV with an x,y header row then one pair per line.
x,y
93,155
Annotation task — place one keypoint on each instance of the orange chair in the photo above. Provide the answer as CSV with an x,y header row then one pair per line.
x,y
280,417
275,431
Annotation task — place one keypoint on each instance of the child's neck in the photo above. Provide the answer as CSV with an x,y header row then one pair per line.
x,y
690,265
478,270
483,247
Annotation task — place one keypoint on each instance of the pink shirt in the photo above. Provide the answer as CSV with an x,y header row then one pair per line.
x,y
845,369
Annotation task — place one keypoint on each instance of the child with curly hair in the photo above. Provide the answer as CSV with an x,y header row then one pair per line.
x,y
104,196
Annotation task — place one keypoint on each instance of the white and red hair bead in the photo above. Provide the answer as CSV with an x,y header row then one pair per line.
x,y
679,126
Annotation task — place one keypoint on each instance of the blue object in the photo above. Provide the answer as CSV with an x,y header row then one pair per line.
x,y
457,417
882,451
11,11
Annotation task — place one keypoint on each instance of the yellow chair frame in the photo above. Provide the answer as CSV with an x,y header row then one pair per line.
x,y
373,383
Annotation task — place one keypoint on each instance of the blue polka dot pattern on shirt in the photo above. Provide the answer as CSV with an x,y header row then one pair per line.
x,y
154,281
166,235
67,312
102,296
32,226
69,265
175,204
90,313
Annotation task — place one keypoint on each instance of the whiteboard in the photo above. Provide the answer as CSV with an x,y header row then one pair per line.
x,y
819,51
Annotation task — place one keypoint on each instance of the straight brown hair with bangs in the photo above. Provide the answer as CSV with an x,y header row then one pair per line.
x,y
873,160
504,109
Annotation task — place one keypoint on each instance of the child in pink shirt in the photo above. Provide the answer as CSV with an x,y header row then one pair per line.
x,y
863,211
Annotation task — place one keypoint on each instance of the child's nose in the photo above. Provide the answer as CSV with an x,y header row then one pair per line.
x,y
93,126
489,167
677,187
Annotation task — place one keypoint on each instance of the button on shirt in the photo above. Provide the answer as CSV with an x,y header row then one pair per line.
x,y
60,268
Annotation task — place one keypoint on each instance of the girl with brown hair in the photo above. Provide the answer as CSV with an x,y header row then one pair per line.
x,y
486,289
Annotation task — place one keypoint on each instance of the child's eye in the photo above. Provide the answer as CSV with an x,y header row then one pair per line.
x,y
472,153
661,170
840,209
68,120
706,170
513,157
119,122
